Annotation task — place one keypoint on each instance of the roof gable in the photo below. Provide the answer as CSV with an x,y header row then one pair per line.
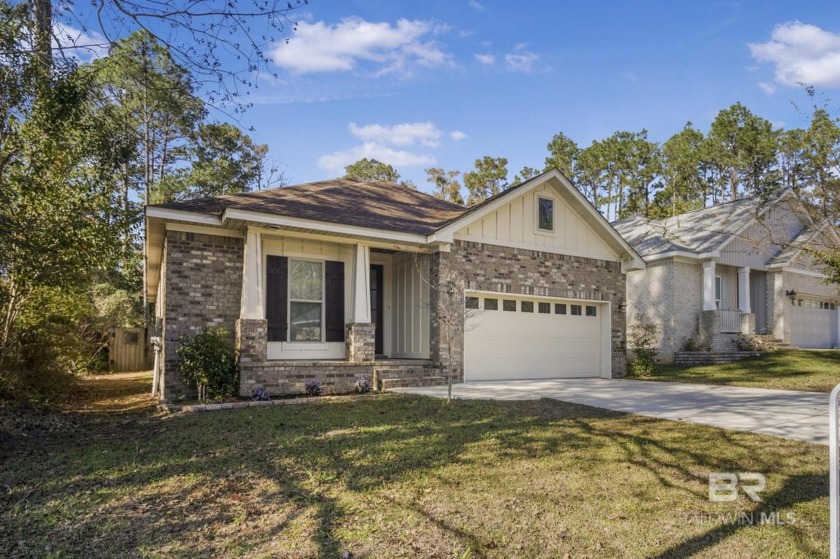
x,y
510,218
711,230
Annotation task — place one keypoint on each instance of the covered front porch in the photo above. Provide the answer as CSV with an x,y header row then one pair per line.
x,y
317,308
734,300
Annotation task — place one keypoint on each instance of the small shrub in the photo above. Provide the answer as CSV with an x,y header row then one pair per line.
x,y
750,342
207,363
362,385
260,394
642,340
696,343
313,388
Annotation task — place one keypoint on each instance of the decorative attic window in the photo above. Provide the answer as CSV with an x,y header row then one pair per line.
x,y
545,214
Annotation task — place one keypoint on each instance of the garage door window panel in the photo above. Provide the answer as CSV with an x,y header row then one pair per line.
x,y
509,305
491,304
576,310
527,306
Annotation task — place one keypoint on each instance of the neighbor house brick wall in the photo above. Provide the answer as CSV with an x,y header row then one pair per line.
x,y
513,270
668,294
203,284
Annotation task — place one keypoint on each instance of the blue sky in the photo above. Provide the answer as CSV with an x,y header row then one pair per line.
x,y
469,78
443,82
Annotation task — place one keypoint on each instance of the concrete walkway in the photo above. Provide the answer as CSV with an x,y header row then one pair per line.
x,y
787,414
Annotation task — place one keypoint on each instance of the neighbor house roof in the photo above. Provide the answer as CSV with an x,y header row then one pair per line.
x,y
698,232
346,201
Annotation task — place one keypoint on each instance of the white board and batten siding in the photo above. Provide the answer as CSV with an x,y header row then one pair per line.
x,y
410,303
515,225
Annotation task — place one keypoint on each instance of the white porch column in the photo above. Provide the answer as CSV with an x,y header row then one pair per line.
x,y
253,306
744,290
361,285
709,286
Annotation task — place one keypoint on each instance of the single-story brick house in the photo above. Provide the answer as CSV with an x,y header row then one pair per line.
x,y
332,280
738,267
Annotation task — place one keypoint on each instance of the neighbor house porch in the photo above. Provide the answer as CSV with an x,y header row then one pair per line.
x,y
734,300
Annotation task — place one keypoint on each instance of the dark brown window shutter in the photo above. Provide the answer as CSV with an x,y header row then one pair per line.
x,y
334,301
277,292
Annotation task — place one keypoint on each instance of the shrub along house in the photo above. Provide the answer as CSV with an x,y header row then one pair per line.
x,y
336,279
740,267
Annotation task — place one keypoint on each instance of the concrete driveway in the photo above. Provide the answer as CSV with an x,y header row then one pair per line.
x,y
787,414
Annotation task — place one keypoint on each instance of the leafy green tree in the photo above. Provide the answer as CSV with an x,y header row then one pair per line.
x,y
741,148
526,173
222,160
488,179
563,154
59,200
590,166
792,155
821,165
446,184
371,170
153,99
684,186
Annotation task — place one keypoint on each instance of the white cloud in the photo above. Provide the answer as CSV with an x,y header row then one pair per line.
x,y
82,45
317,47
767,88
477,6
336,162
522,61
802,53
486,58
400,134
457,135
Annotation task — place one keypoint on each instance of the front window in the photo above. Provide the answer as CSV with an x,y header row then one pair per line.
x,y
718,290
546,214
306,300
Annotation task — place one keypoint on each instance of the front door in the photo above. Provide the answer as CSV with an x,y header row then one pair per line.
x,y
377,311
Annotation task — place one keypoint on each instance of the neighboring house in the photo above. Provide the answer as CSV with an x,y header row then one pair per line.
x,y
739,267
335,279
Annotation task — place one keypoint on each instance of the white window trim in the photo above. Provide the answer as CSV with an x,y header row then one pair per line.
x,y
322,302
537,227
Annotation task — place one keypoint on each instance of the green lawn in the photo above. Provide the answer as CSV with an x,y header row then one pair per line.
x,y
392,476
817,371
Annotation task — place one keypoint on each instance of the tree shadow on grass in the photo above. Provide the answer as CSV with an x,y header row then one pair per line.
x,y
253,480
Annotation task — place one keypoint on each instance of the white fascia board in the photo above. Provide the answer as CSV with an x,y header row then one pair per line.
x,y
799,271
204,230
180,215
683,254
283,221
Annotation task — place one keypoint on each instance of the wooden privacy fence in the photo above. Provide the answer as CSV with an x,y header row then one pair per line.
x,y
127,350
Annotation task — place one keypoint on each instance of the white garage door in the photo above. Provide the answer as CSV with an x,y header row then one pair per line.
x,y
519,338
813,324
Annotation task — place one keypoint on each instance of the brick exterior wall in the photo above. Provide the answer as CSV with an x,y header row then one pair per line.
x,y
670,295
203,284
527,272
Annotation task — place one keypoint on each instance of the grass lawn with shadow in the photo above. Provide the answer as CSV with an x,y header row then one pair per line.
x,y
395,476
795,369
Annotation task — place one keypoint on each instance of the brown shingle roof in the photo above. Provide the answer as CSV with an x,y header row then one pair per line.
x,y
346,201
